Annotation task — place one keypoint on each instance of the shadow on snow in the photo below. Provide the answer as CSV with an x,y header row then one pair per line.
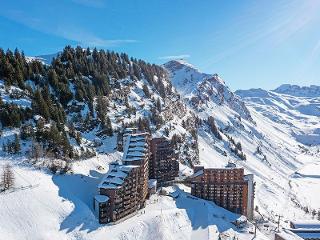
x,y
79,190
202,213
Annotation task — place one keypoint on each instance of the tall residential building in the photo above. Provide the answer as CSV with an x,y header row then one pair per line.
x,y
163,165
118,193
125,187
137,153
122,137
227,187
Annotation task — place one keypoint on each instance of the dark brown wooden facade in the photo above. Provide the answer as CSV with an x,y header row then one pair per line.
x,y
227,187
125,185
162,165
137,153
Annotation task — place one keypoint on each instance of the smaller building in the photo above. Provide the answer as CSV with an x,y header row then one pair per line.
x,y
286,235
226,187
302,229
307,234
305,224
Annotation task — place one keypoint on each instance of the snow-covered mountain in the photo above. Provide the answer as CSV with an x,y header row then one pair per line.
x,y
203,89
45,59
273,131
296,108
299,91
60,206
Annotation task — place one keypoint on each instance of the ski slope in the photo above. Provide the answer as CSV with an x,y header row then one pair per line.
x,y
46,206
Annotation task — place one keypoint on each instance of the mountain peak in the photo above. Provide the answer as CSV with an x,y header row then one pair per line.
x,y
179,64
203,89
299,91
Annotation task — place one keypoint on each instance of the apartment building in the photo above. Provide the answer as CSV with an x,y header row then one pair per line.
x,y
124,188
118,193
137,153
227,187
163,165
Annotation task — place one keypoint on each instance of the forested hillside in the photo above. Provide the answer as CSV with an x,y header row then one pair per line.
x,y
66,109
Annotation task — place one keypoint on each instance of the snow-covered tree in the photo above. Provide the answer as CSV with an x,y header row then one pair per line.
x,y
7,177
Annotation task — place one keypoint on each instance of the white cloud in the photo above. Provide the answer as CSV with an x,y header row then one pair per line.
x,y
68,31
171,57
86,38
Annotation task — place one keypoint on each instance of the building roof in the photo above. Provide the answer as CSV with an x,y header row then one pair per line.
x,y
196,174
288,235
115,177
135,153
306,224
135,147
101,198
308,235
132,158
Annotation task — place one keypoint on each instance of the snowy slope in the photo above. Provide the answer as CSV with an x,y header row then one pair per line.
x,y
46,206
272,131
43,206
298,112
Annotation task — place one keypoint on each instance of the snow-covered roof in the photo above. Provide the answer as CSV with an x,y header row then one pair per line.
x,y
132,158
135,153
138,144
305,224
288,235
309,234
135,147
115,177
101,198
196,174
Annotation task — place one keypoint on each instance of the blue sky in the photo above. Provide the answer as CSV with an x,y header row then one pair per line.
x,y
250,44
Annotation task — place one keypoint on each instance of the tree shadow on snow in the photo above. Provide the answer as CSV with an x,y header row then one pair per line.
x,y
79,190
203,214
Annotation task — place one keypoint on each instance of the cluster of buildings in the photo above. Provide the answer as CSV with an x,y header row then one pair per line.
x,y
149,162
299,230
227,187
126,186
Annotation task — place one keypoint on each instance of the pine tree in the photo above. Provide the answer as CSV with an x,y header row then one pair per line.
x,y
39,105
16,144
214,128
158,105
109,126
7,177
102,108
36,151
238,145
146,90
